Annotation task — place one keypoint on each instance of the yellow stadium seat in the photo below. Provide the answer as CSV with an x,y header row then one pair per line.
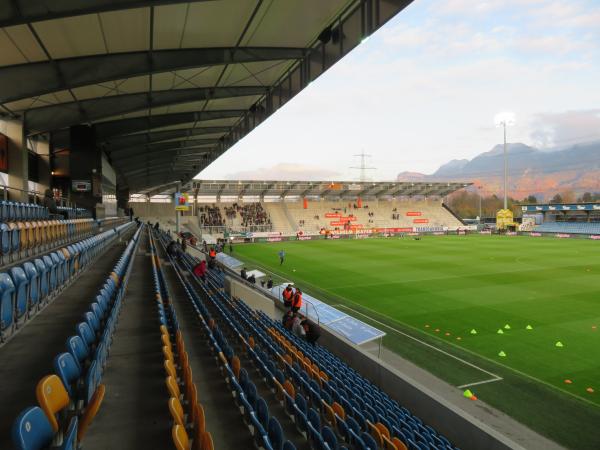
x,y
168,354
172,387
206,442
52,397
90,411
399,444
339,410
180,438
170,368
383,429
236,366
176,411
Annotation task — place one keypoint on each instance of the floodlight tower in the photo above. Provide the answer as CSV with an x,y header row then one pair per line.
x,y
505,119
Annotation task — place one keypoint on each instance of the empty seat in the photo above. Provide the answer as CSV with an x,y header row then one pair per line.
x,y
22,292
34,284
76,346
44,278
51,267
67,369
52,397
7,305
32,431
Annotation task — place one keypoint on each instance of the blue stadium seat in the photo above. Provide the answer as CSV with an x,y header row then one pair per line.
x,y
44,278
7,305
34,284
275,434
262,412
329,437
22,292
32,430
92,321
78,350
68,371
5,239
86,333
4,216
51,267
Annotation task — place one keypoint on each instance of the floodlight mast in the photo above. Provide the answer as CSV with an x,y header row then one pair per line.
x,y
505,119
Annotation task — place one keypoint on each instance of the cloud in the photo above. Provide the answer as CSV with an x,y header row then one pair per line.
x,y
566,128
286,171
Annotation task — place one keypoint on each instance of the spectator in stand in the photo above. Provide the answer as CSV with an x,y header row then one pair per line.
x,y
270,283
311,330
297,327
287,295
183,245
287,320
200,270
212,254
297,300
243,273
252,279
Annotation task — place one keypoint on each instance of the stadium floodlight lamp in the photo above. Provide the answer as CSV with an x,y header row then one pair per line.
x,y
505,119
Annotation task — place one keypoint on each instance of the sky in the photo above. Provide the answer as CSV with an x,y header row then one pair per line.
x,y
425,88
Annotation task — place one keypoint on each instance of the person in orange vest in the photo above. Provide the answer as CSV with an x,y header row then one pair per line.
x,y
287,295
297,301
212,253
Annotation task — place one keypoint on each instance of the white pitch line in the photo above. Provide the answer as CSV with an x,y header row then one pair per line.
x,y
423,342
491,380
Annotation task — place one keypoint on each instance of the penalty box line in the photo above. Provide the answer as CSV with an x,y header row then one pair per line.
x,y
494,376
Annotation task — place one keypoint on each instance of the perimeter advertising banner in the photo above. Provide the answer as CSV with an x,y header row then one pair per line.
x,y
413,213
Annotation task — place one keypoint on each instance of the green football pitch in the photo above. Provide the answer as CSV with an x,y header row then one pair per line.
x,y
514,319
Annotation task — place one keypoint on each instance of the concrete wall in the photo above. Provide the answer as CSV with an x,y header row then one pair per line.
x,y
251,296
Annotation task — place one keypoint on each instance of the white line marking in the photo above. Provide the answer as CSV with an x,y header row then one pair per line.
x,y
491,380
422,342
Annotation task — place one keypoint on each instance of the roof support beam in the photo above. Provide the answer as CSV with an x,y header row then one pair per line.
x,y
134,140
21,12
195,143
104,130
40,78
169,153
62,115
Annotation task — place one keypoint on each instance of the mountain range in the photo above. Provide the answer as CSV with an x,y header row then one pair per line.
x,y
575,169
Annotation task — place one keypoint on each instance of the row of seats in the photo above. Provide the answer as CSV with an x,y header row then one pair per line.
x,y
20,239
10,211
70,398
26,288
187,413
363,413
266,430
569,227
75,213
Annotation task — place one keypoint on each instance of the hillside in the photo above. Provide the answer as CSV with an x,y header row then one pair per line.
x,y
531,171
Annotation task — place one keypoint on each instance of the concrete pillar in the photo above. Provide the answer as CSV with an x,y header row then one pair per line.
x,y
44,169
18,159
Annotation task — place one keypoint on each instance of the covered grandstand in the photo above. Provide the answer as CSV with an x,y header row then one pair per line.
x,y
313,207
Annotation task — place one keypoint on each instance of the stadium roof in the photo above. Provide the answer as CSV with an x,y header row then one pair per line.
x,y
329,189
169,85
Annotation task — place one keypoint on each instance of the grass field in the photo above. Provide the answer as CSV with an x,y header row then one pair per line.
x,y
438,289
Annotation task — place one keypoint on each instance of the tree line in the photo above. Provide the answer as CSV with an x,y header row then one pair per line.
x,y
466,203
